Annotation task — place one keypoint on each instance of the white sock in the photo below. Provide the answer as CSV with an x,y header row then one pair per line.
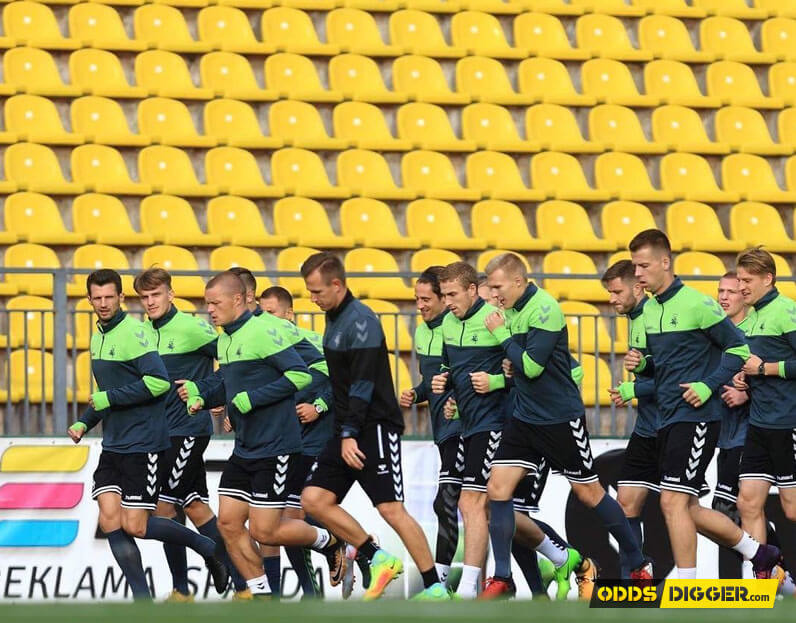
x,y
442,571
746,547
259,586
686,573
551,551
322,539
468,585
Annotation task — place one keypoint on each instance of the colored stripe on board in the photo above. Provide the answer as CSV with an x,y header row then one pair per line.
x,y
44,459
17,495
37,532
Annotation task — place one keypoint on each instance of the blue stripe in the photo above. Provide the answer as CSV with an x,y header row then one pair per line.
x,y
37,533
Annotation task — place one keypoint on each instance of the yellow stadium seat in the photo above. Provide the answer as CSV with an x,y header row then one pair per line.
x,y
235,123
495,175
729,39
752,177
786,8
675,8
622,220
625,176
544,35
553,7
606,37
375,6
34,24
588,331
102,120
169,122
788,288
396,333
305,222
786,127
238,222
556,128
99,72
485,257
166,74
36,218
690,177
176,258
290,260
94,257
304,172
228,29
100,26
308,316
358,78
421,79
699,263
171,220
365,127
681,128
427,126
560,176
164,27
371,224
731,8
419,33
495,7
299,124
102,169
597,380
753,223
236,171
667,37
548,80
618,128
295,77
84,381
356,31
184,305
28,70
230,75
572,263
619,256
169,170
610,81
502,225
424,258
27,255
104,219
777,36
367,173
36,119
30,376
609,7
673,82
736,84
566,225
485,80
401,375
224,258
432,175
491,127
376,261
782,82
437,224
481,34
696,226
292,30
35,167
745,130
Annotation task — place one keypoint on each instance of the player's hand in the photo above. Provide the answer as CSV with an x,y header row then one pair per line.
x,y
306,413
439,383
751,366
494,320
218,411
196,406
407,398
352,455
690,395
182,391
449,408
739,382
616,397
227,425
76,431
633,358
508,368
480,381
734,397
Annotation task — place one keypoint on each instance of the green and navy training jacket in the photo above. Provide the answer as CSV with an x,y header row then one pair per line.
x,y
428,347
735,420
647,418
467,347
187,346
576,371
315,435
771,334
132,382
690,340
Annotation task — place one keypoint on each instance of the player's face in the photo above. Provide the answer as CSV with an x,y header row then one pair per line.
x,y
621,295
753,286
157,302
327,296
505,289
730,297
273,306
428,303
222,305
458,299
651,266
105,300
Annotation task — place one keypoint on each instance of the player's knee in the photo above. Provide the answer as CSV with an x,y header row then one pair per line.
x,y
228,526
748,507
589,494
392,512
265,535
789,508
498,491
672,503
311,502
134,527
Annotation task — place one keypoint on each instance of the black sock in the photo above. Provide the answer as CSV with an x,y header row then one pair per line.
x,y
178,565
501,533
169,531
635,526
446,509
430,577
551,533
210,530
610,513
368,549
528,563
128,557
298,560
273,571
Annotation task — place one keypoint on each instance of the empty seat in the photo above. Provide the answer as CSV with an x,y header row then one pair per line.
x,y
566,225
100,72
292,30
34,24
358,78
401,375
425,258
224,258
35,167
30,376
308,315
625,176
419,33
481,34
753,178
437,224
681,128
295,77
777,7
777,36
736,84
731,8
502,225
556,128
367,174
102,168
235,123
364,126
102,120
588,332
544,35
753,223
618,128
699,263
674,83
164,27
572,263
30,323
485,80
304,172
787,288
786,126
609,7
184,305
432,175
422,80
496,175
689,176
94,257
427,126
729,39
33,71
560,176
487,256
606,36
299,124
745,130
100,26
236,171
169,170
230,75
104,219
622,220
169,122
171,220
491,127
676,8
290,260
36,218
356,31
548,80
238,222
597,380
393,324
782,83
495,7
304,222
667,37
176,258
371,224
166,74
375,261
228,29
37,120
695,226
27,255
611,82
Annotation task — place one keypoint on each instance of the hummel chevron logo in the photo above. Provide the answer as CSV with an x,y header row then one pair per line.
x,y
152,468
545,308
280,478
543,319
279,489
180,463
151,490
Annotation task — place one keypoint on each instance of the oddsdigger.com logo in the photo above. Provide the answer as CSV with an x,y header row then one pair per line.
x,y
684,594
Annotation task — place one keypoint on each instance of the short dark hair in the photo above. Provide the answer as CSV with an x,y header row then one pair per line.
x,y
654,238
757,261
623,269
327,263
151,278
230,279
430,276
103,277
279,293
246,276
461,272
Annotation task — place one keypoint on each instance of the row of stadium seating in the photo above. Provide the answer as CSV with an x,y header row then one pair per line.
x,y
411,32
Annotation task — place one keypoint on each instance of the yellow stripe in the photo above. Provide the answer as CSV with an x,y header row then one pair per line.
x,y
44,459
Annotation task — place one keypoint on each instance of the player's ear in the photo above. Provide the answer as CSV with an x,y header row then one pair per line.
x,y
171,295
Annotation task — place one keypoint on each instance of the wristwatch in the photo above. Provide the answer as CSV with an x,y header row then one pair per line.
x,y
761,369
318,409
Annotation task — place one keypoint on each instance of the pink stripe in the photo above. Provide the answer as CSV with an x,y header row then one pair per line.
x,y
15,495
